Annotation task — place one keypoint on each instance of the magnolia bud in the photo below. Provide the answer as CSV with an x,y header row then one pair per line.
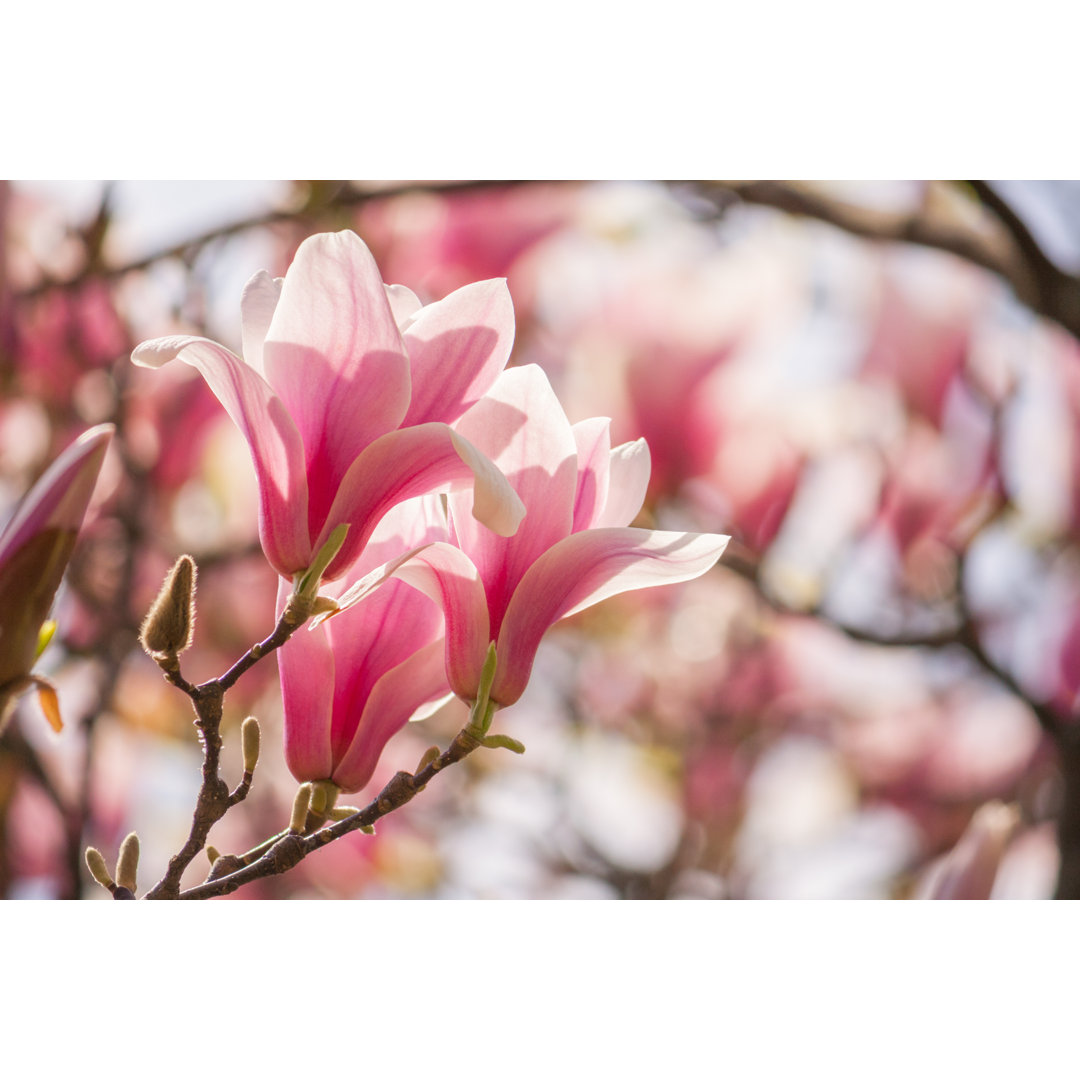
x,y
300,807
166,630
95,861
249,740
127,863
430,755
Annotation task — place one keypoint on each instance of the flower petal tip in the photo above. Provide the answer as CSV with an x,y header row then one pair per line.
x,y
159,351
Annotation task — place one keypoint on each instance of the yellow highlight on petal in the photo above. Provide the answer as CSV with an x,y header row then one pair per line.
x,y
45,635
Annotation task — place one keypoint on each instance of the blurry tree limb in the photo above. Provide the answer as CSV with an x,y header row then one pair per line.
x,y
1001,243
324,199
963,633
14,745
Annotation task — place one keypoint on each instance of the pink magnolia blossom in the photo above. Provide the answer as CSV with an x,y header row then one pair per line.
x,y
573,550
345,395
34,551
354,681
969,870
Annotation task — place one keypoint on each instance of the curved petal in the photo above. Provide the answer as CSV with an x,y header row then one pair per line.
x,y
448,576
582,570
257,304
629,469
62,493
593,438
403,531
404,303
306,668
276,448
521,426
393,700
335,357
969,870
407,526
457,347
29,578
369,640
403,464
37,544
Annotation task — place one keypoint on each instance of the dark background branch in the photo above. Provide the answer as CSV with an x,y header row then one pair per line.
x,y
1004,246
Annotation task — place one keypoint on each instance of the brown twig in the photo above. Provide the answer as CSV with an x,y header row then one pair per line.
x,y
214,798
325,198
292,848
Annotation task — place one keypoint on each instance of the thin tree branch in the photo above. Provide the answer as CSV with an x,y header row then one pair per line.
x,y
214,798
293,848
325,198
1013,255
1057,293
963,634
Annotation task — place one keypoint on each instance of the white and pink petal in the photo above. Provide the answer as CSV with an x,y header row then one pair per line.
x,y
410,462
277,450
334,355
418,681
446,575
307,670
457,348
582,570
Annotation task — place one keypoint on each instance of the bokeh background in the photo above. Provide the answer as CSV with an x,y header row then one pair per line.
x,y
875,388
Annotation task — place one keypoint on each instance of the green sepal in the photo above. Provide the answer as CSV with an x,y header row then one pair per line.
x,y
483,710
502,742
308,583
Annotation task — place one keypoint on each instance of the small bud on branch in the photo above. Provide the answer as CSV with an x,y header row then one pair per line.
x,y
167,629
95,862
301,805
127,864
249,739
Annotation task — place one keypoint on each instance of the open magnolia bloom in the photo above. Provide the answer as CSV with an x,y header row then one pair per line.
x,y
351,683
34,550
572,550
345,394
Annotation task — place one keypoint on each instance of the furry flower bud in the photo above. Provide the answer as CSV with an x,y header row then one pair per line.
x,y
301,805
127,863
249,740
95,861
166,630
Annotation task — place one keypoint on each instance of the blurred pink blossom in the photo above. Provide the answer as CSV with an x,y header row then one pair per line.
x,y
34,550
439,243
968,871
922,351
62,334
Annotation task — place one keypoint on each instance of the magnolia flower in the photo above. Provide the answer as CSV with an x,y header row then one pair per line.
x,y
969,870
345,394
572,550
34,550
351,683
